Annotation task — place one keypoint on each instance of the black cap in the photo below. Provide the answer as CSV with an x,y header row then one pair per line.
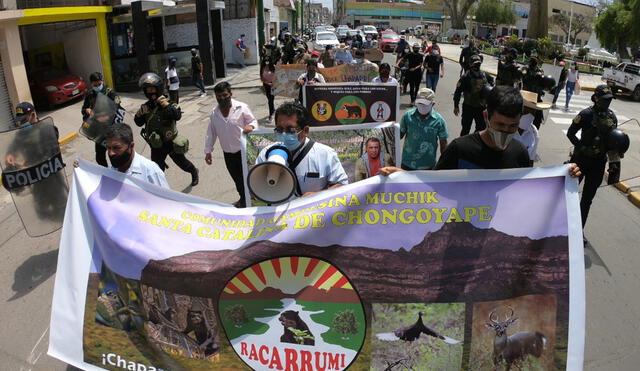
x,y
513,51
23,110
603,91
96,76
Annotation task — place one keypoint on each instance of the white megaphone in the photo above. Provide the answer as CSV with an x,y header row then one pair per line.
x,y
272,181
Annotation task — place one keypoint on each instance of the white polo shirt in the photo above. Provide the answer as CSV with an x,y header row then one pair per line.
x,y
147,170
319,169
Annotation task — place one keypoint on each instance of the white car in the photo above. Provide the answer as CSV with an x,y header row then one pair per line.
x,y
370,31
325,38
331,29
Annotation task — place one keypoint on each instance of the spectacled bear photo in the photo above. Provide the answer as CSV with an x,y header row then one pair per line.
x,y
295,330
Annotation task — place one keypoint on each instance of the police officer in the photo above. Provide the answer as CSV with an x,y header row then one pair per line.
x,y
473,84
532,80
159,116
272,50
466,54
596,124
508,72
98,86
288,49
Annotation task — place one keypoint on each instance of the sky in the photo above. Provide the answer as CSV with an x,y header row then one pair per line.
x,y
325,3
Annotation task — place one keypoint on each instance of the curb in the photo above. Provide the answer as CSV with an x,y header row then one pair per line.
x,y
634,197
622,187
68,138
494,73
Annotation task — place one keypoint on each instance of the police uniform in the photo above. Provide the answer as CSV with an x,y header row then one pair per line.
x,y
508,73
318,170
532,81
471,85
465,56
162,135
590,151
89,102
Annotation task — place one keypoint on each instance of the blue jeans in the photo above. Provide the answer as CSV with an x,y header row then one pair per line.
x,y
557,93
432,81
197,81
571,85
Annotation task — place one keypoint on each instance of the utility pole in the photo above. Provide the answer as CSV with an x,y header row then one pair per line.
x,y
570,20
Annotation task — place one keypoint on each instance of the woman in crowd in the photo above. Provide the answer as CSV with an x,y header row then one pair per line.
x,y
267,73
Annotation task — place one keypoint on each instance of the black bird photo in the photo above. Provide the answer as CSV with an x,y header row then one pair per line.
x,y
412,332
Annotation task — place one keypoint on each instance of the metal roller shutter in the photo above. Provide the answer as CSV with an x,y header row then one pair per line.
x,y
6,108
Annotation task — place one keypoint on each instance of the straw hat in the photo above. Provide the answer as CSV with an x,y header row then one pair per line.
x,y
531,100
342,46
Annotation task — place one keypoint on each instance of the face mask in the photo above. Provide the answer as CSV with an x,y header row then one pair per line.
x,y
500,138
194,54
98,88
225,102
526,121
384,75
26,125
424,109
151,96
475,67
118,161
290,140
358,60
603,104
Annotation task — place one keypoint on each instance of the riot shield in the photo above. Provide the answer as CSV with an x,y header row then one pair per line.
x,y
105,113
33,172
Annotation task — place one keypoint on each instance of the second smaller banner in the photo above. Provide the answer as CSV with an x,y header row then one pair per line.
x,y
349,103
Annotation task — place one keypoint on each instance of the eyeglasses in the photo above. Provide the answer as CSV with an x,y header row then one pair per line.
x,y
287,130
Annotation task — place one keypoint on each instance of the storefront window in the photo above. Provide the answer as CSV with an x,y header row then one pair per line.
x,y
159,62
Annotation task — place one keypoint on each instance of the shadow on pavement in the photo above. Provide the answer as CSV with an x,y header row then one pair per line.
x,y
591,256
32,272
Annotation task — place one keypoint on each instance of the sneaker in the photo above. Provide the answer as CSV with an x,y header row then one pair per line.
x,y
271,119
195,178
240,204
203,94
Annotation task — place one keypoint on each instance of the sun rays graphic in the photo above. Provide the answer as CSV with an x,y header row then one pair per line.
x,y
289,274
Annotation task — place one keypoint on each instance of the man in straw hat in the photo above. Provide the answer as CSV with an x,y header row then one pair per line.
x,y
527,133
343,55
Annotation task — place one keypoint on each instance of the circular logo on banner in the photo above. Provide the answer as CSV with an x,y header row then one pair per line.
x,y
321,110
351,110
380,111
291,313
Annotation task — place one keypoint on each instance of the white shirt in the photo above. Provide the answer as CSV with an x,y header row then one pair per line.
x,y
319,169
390,80
144,169
169,73
529,137
229,129
572,76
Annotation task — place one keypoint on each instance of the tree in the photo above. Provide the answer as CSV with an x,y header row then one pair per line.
x,y
345,323
237,314
615,28
575,25
495,12
538,23
458,9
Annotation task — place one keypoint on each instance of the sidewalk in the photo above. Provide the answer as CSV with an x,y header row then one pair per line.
x,y
490,64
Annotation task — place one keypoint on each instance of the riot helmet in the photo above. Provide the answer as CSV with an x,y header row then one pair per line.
x,y
149,80
617,140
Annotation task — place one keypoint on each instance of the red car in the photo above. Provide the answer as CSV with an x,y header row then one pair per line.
x,y
52,87
388,41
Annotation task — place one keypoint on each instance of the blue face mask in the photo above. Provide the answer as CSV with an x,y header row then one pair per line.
x,y
98,88
289,140
26,125
358,60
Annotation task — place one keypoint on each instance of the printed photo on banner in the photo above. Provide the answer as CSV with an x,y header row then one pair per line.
x,y
284,82
362,149
422,270
349,104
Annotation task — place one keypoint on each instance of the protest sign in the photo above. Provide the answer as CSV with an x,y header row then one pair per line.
x,y
152,279
349,103
349,143
284,83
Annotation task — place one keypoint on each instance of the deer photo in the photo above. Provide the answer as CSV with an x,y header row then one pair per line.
x,y
513,348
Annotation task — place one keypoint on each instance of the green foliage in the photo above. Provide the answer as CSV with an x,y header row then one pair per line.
x,y
547,48
326,317
529,46
237,314
615,26
494,12
514,42
345,322
582,52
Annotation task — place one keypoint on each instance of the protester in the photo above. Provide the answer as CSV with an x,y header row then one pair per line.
x,y
434,65
527,133
360,59
343,55
466,54
572,80
561,83
98,87
401,47
434,46
316,57
318,167
159,116
424,128
240,49
172,81
196,72
228,122
473,84
309,77
267,74
590,150
413,62
327,57
372,160
384,76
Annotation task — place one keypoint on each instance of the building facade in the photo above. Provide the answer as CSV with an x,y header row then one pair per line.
x,y
571,9
397,14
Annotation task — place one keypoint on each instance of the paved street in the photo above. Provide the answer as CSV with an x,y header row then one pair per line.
x,y
613,306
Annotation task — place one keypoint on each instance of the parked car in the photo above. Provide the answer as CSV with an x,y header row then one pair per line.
x,y
331,29
342,32
388,41
52,87
325,38
624,78
370,31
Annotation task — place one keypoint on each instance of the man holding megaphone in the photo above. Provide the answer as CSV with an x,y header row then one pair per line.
x,y
296,165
